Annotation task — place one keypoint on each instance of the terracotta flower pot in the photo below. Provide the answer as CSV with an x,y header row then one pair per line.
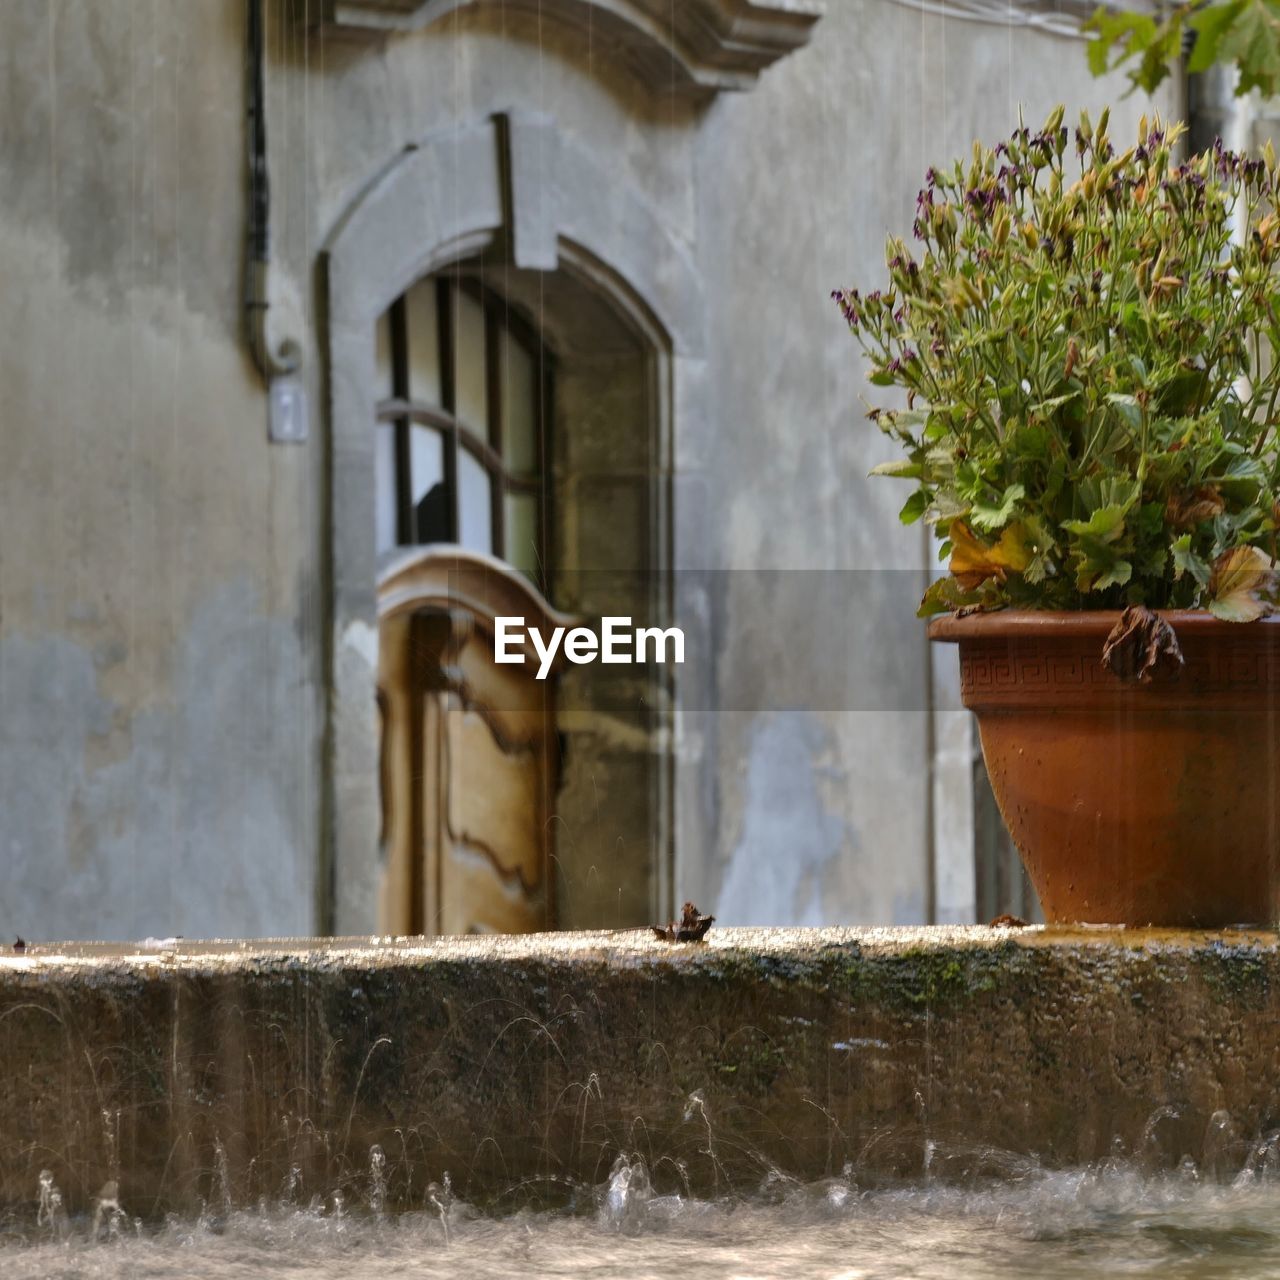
x,y
1130,803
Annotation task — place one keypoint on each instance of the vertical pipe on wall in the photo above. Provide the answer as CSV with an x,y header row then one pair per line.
x,y
284,360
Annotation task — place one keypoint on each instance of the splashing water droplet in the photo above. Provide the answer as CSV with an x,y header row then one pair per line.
x,y
626,1194
377,1180
50,1213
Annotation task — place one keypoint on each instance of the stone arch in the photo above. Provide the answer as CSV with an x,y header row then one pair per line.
x,y
511,186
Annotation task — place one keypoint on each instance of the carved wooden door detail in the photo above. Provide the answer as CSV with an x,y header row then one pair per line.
x,y
468,756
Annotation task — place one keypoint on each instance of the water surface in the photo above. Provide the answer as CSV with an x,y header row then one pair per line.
x,y
1107,1221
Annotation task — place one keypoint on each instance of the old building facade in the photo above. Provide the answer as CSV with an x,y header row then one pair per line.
x,y
555,280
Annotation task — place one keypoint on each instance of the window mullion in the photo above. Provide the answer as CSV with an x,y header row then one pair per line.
x,y
448,394
400,385
542,452
493,394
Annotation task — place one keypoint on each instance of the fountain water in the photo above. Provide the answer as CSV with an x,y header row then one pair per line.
x,y
792,1103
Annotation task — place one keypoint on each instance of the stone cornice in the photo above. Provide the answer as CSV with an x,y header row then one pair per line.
x,y
696,47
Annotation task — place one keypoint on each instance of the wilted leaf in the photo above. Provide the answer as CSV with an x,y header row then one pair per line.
x,y
692,927
973,561
1242,586
1141,646
945,595
1185,510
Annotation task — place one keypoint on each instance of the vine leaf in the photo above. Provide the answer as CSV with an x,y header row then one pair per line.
x,y
1243,32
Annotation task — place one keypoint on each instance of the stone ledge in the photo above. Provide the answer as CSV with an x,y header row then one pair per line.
x,y
695,48
534,1060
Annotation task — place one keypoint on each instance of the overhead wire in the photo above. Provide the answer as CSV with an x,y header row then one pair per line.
x,y
1058,22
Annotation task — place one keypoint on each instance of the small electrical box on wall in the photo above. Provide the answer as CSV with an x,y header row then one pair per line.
x,y
288,412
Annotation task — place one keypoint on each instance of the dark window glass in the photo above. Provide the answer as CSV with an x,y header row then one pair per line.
x,y
462,424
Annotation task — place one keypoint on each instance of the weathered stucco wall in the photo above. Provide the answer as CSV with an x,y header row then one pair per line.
x,y
523,1067
163,588
817,808
159,564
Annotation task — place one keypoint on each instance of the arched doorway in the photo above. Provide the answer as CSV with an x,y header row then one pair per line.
x,y
609,296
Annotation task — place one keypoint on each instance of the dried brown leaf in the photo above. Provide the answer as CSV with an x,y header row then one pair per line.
x,y
1184,511
1141,646
693,926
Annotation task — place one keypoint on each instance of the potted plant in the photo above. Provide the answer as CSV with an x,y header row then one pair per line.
x,y
1090,425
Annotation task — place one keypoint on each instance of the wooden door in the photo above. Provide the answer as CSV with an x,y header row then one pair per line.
x,y
468,765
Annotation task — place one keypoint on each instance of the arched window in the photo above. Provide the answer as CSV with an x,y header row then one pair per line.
x,y
462,424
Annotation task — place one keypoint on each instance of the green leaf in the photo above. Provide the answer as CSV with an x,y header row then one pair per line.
x,y
1127,407
1210,25
1038,569
1116,576
1132,32
990,517
1252,42
1150,519
1185,561
880,378
1054,402
1105,525
1180,392
947,506
1243,477
903,467
899,419
914,507
1117,440
1030,441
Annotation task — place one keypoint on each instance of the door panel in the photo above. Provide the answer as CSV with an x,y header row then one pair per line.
x,y
469,763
